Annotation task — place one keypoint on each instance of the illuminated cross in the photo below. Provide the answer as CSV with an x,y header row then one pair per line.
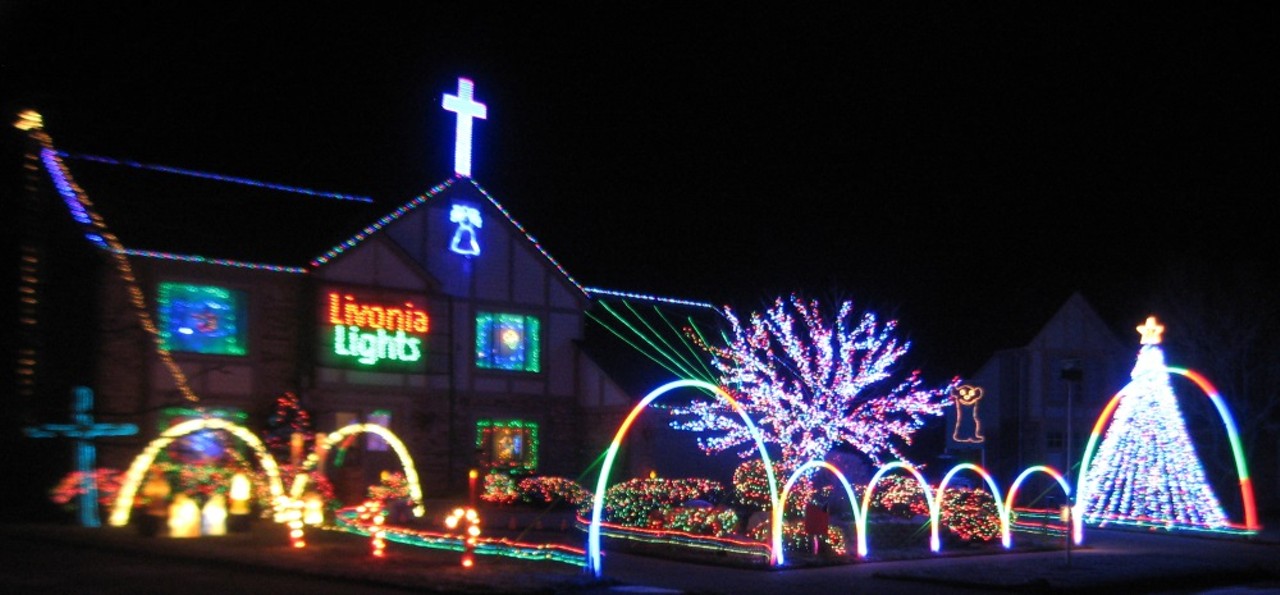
x,y
467,108
84,431
1151,331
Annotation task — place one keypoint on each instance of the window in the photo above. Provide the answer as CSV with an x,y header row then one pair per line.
x,y
507,342
380,417
202,319
508,444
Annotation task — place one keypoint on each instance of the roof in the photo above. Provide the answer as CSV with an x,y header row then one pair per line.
x,y
171,211
167,212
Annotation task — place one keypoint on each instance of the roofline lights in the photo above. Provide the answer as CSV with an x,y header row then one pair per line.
x,y
212,176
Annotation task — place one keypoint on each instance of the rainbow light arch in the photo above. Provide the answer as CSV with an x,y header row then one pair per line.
x,y
935,543
779,508
133,477
315,460
1006,514
597,504
1251,523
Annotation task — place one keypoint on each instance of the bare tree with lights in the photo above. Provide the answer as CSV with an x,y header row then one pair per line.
x,y
810,385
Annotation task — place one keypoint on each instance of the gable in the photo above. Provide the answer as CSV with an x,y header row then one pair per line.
x,y
464,239
1076,325
379,262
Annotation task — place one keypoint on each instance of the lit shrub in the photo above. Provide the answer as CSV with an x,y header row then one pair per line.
x,y
643,502
970,515
550,490
794,538
68,491
718,521
499,488
899,496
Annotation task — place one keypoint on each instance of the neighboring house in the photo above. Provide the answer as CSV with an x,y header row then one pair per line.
x,y
439,317
1020,418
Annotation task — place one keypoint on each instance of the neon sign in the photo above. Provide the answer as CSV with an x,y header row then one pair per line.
x,y
372,332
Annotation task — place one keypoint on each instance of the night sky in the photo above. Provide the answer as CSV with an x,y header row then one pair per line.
x,y
961,168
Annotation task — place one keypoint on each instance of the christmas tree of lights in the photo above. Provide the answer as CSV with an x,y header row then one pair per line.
x,y
811,385
1146,471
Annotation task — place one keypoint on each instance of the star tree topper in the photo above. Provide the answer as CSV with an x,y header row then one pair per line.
x,y
1151,331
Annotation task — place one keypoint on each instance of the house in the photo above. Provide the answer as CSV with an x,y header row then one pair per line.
x,y
439,317
1036,404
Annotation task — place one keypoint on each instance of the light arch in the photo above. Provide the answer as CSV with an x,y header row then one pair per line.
x,y
991,485
315,460
780,505
1233,436
597,504
934,541
1006,523
133,477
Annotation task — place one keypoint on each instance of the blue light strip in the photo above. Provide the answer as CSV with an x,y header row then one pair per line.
x,y
78,212
649,298
217,177
379,224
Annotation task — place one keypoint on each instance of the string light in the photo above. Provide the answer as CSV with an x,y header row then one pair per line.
x,y
597,501
83,211
508,342
83,429
382,222
814,385
966,399
347,520
325,443
528,236
1113,485
597,291
212,176
134,475
521,456
251,266
732,545
1006,536
1146,470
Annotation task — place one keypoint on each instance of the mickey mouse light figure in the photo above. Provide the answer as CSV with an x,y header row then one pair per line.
x,y
968,427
